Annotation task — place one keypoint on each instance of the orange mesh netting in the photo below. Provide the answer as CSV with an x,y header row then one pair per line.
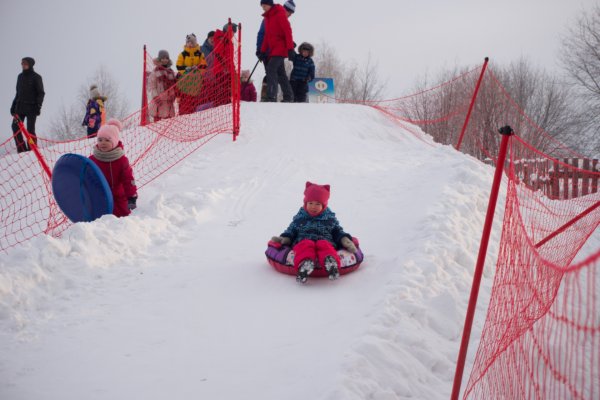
x,y
541,338
210,100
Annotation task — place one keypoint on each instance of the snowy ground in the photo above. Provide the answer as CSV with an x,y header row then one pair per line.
x,y
178,301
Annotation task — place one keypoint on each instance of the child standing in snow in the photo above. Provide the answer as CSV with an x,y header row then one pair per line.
x,y
109,156
315,233
161,84
303,71
248,90
94,112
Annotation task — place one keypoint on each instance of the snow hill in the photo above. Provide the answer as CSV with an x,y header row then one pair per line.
x,y
178,301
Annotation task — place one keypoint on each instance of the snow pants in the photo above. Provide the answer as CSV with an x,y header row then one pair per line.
x,y
314,250
276,76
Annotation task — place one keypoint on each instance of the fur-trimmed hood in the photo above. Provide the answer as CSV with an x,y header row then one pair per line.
x,y
307,46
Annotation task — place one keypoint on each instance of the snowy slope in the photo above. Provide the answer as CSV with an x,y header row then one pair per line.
x,y
178,301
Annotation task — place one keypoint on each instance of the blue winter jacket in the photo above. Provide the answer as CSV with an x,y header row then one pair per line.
x,y
323,226
260,36
304,69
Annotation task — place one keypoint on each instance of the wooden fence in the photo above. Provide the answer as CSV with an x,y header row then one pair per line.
x,y
565,179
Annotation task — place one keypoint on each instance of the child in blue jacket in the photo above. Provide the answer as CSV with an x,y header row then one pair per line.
x,y
315,233
303,71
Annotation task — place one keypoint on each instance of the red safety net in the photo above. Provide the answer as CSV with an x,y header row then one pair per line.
x,y
541,338
28,208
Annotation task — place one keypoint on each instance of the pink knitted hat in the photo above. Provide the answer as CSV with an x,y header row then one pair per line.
x,y
111,131
314,192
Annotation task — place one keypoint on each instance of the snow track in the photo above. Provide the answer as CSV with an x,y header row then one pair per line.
x,y
178,301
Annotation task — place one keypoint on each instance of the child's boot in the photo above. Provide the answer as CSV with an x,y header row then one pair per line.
x,y
304,270
331,266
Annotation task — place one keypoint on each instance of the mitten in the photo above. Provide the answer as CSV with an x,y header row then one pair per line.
x,y
285,241
131,203
349,245
291,55
261,56
38,109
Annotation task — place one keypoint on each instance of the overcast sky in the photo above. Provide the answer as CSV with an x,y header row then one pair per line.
x,y
70,39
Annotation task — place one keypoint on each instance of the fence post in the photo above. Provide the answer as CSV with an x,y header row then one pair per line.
x,y
144,111
506,133
238,93
468,117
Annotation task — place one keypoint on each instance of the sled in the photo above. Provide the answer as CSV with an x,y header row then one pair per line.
x,y
282,259
80,188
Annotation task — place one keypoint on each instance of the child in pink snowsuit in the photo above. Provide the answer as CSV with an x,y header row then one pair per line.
x,y
109,156
315,233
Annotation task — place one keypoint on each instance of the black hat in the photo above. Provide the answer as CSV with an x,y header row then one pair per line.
x,y
30,61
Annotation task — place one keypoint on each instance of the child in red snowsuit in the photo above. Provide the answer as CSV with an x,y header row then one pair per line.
x,y
248,91
315,233
109,156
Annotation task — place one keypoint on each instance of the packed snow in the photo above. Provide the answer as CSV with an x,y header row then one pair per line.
x,y
178,301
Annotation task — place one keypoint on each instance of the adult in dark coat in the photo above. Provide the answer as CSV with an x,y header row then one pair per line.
x,y
277,44
28,102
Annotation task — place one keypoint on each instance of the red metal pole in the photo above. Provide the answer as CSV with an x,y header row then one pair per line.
x,y
34,147
468,117
238,93
232,85
144,111
506,132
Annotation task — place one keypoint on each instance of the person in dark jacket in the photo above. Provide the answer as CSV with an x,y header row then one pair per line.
x,y
207,48
315,233
27,104
303,72
277,44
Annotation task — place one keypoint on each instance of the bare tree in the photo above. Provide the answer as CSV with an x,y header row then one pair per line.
x,y
539,108
67,124
367,85
546,102
352,81
581,61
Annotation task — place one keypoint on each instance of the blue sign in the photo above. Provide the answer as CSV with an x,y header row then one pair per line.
x,y
321,90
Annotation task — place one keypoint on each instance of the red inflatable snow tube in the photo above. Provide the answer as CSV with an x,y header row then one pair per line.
x,y
282,259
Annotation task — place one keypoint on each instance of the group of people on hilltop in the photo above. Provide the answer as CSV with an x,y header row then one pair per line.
x,y
197,82
204,63
275,43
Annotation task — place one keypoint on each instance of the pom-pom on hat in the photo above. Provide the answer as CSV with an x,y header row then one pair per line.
x,y
290,6
267,2
314,192
111,131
